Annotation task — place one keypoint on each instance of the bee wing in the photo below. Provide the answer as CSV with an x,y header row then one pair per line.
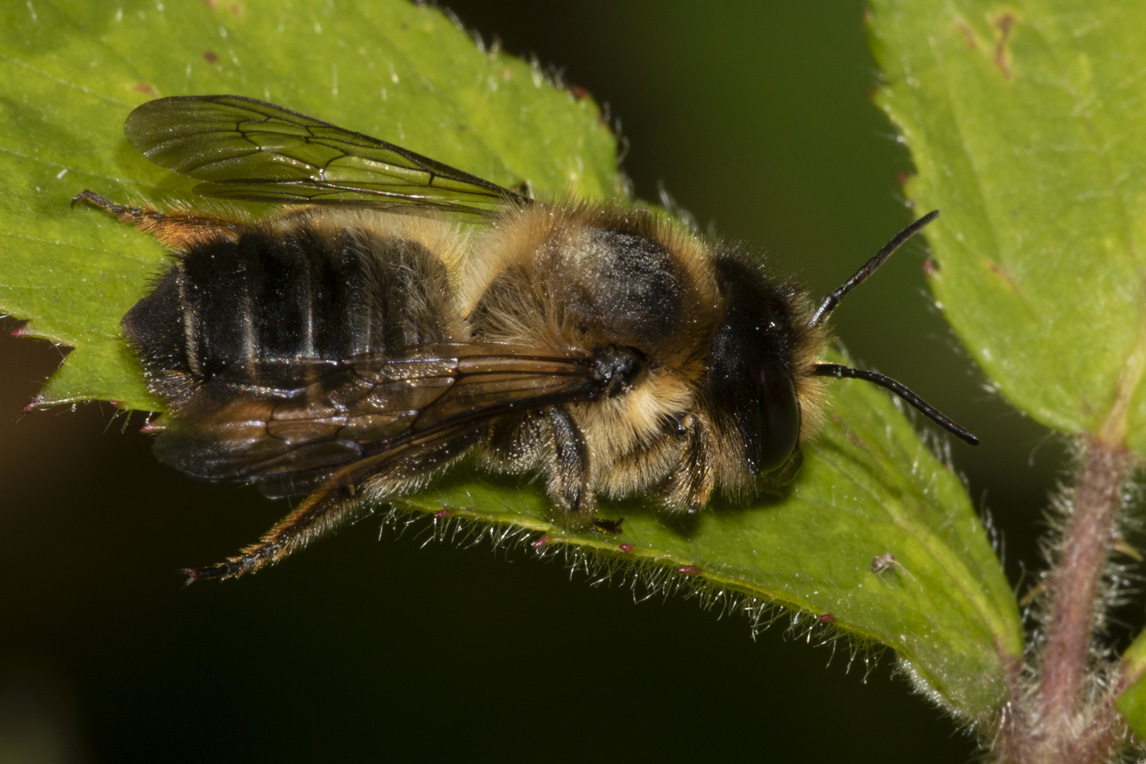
x,y
403,416
252,150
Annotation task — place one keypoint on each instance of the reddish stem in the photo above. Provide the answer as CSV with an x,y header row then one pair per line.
x,y
1097,497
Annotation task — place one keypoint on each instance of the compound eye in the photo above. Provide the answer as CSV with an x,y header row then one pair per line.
x,y
779,416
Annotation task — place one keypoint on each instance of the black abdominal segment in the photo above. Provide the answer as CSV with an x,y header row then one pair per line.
x,y
254,308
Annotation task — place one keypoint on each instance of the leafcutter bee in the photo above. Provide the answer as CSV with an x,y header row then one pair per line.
x,y
355,343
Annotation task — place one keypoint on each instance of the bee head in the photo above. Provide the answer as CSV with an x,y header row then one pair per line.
x,y
763,358
751,388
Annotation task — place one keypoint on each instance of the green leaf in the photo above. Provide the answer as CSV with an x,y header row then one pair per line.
x,y
1131,703
869,487
1025,122
75,70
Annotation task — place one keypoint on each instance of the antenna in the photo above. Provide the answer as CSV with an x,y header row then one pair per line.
x,y
832,300
839,371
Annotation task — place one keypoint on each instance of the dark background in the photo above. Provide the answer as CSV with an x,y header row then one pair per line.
x,y
757,118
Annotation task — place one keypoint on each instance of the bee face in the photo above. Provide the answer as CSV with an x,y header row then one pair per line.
x,y
760,367
358,341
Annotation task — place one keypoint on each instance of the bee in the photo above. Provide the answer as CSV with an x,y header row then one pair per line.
x,y
397,314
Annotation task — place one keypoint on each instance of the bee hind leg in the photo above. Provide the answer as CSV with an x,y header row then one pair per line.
x,y
176,230
320,513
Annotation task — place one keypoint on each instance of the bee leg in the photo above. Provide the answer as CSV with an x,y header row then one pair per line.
x,y
690,485
320,513
177,231
569,472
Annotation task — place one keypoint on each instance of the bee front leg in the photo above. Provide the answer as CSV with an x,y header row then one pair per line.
x,y
569,469
689,487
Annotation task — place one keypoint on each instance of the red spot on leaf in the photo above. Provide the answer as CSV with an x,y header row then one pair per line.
x,y
1004,24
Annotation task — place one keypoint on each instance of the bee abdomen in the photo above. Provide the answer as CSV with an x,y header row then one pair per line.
x,y
251,307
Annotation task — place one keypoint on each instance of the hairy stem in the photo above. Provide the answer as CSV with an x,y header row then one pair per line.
x,y
1090,534
1064,717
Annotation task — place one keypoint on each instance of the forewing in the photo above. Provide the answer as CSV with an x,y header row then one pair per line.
x,y
355,418
252,150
